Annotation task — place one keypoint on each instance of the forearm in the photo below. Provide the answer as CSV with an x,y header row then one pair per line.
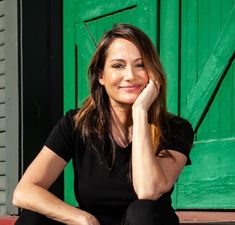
x,y
148,177
40,200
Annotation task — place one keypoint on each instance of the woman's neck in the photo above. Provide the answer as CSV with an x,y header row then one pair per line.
x,y
121,125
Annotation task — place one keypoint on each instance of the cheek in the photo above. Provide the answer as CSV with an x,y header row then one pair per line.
x,y
110,81
145,78
114,78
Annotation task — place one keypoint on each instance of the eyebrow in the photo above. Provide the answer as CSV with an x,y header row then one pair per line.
x,y
122,60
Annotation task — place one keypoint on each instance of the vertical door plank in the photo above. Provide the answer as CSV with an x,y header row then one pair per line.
x,y
169,50
69,56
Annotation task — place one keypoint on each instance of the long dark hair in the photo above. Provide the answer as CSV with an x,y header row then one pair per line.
x,y
93,119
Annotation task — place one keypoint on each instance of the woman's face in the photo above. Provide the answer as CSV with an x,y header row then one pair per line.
x,y
124,75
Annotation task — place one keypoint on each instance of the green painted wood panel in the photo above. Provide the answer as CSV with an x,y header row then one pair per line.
x,y
169,49
69,56
84,23
209,70
210,184
207,100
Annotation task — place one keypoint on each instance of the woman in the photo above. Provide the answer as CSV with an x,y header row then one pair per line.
x,y
127,150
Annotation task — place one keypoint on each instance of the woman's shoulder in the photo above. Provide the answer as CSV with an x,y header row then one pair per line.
x,y
179,128
69,117
178,123
71,113
178,134
61,138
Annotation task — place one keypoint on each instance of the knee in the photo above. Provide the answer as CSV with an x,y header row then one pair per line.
x,y
142,212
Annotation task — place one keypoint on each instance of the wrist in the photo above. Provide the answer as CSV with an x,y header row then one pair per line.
x,y
139,113
76,216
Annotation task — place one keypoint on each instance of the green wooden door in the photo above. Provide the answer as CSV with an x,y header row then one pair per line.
x,y
196,43
202,89
84,23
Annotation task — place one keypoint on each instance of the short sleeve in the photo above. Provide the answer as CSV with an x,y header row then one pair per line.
x,y
61,138
180,136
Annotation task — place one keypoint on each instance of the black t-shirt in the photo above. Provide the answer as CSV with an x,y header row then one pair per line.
x,y
107,193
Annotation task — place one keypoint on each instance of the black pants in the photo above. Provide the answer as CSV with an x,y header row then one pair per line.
x,y
139,212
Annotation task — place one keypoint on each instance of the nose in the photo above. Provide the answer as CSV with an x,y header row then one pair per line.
x,y
129,73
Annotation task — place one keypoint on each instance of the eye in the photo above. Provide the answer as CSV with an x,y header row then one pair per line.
x,y
118,66
140,65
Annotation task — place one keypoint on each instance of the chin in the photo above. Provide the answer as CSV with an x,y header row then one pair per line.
x,y
130,101
126,100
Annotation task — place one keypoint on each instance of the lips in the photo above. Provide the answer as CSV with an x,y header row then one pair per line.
x,y
131,87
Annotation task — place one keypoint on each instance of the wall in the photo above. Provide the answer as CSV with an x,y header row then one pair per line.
x,y
9,116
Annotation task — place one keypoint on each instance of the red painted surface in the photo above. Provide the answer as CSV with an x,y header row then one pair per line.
x,y
194,217
7,220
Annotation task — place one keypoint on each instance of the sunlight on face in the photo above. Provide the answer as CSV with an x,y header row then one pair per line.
x,y
124,75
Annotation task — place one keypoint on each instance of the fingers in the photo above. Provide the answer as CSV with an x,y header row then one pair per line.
x,y
147,96
155,84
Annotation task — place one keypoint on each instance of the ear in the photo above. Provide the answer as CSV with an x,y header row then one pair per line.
x,y
101,78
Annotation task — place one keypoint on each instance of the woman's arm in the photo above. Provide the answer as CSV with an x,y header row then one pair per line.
x,y
32,191
152,176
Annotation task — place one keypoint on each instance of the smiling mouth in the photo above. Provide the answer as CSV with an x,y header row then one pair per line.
x,y
131,87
